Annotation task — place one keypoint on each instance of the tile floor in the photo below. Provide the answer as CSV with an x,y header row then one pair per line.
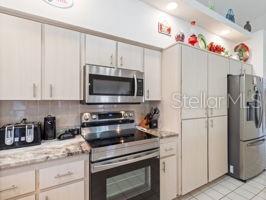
x,y
228,188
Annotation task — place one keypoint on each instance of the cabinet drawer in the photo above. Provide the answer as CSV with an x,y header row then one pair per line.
x,y
168,149
18,184
57,175
69,192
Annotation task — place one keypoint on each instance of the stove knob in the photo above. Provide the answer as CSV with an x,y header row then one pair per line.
x,y
125,115
131,115
86,117
94,117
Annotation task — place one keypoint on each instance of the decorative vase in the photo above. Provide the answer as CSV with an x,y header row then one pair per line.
x,y
230,15
248,26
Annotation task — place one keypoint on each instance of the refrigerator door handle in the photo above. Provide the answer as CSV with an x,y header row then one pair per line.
x,y
257,143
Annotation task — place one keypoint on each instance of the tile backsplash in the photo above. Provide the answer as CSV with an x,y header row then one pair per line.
x,y
67,113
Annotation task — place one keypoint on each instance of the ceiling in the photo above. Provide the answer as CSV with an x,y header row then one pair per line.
x,y
245,10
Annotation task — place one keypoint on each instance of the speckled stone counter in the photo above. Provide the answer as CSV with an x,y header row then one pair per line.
x,y
47,151
160,133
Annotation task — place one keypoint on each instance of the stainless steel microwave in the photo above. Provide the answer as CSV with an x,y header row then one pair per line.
x,y
105,85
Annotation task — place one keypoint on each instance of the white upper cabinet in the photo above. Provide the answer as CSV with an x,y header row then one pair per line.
x,y
217,151
20,59
100,51
130,57
218,69
194,82
194,154
61,73
247,69
235,67
152,70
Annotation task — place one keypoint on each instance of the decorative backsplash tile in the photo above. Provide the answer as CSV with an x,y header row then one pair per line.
x,y
67,113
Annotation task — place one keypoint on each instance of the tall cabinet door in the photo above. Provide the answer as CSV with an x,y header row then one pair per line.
x,y
218,69
194,154
152,70
100,51
61,64
235,67
217,151
20,59
130,57
194,82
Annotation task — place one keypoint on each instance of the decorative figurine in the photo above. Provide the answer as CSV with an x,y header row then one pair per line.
x,y
248,26
180,37
230,15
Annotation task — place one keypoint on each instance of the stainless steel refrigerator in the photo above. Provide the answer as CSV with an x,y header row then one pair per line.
x,y
247,140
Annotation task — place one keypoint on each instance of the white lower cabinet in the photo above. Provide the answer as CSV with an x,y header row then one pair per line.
x,y
70,192
194,154
168,169
217,147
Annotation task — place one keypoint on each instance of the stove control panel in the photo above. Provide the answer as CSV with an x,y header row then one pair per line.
x,y
107,116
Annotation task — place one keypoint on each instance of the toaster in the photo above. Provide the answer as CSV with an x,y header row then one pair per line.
x,y
21,134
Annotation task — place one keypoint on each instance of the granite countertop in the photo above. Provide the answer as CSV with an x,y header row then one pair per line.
x,y
47,151
159,133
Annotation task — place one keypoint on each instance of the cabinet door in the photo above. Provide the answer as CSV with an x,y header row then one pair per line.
x,y
100,51
235,67
61,64
69,192
152,70
20,59
218,162
247,69
194,154
194,82
218,69
168,178
130,57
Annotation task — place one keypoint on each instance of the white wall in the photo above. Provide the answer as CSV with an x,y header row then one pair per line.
x,y
129,19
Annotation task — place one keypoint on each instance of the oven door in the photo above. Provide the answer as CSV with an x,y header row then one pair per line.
x,y
110,85
134,177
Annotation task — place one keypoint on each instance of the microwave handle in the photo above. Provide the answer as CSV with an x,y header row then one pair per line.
x,y
136,86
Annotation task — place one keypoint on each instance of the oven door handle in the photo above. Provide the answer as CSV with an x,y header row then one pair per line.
x,y
136,85
97,167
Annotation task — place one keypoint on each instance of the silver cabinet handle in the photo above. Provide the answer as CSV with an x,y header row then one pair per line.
x,y
169,149
13,187
211,109
51,90
69,173
164,167
148,94
211,123
111,58
34,90
121,61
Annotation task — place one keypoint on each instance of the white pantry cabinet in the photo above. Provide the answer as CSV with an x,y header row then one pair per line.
x,y
69,192
100,51
130,57
168,166
20,59
247,69
152,70
61,75
217,147
194,154
218,69
235,67
194,82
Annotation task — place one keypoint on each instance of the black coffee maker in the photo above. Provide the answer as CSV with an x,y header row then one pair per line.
x,y
49,132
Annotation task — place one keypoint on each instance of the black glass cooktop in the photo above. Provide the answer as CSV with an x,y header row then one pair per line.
x,y
108,138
